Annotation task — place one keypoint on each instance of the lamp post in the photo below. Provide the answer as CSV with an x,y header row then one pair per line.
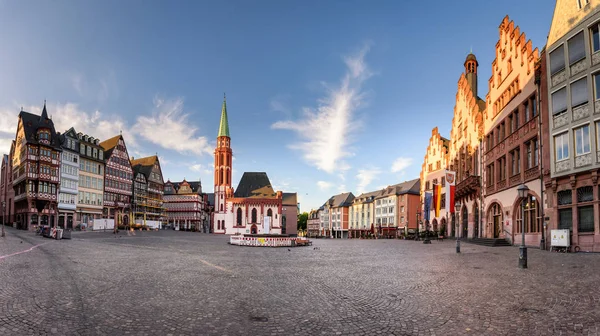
x,y
3,216
418,223
456,226
523,191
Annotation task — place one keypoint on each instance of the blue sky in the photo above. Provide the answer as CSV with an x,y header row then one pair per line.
x,y
325,96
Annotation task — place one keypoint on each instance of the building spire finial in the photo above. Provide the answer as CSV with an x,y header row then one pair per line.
x,y
224,124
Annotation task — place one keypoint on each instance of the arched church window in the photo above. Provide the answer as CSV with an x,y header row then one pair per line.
x,y
221,207
270,213
222,177
254,216
222,160
227,178
239,217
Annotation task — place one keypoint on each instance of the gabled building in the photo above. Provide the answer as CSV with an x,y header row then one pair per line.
x,y
433,171
362,214
148,191
312,224
396,208
466,136
36,171
338,209
118,180
90,200
186,206
7,194
69,179
512,140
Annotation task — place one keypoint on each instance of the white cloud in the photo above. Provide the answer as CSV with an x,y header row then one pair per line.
x,y
327,129
342,188
365,177
200,168
170,128
280,103
400,164
323,185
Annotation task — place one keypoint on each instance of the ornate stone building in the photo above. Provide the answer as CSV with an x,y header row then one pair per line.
x,y
512,140
7,193
573,81
433,171
465,157
36,171
118,180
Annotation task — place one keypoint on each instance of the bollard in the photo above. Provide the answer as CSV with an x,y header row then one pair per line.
x,y
457,245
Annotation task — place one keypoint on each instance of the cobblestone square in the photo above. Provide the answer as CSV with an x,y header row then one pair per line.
x,y
183,283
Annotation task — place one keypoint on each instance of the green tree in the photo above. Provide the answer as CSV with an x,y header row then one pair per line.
x,y
302,221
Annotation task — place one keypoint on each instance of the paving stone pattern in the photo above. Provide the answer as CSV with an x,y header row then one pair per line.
x,y
183,283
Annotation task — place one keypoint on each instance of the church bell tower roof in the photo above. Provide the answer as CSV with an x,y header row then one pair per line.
x,y
224,125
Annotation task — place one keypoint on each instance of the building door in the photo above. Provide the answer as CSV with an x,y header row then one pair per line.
x,y
465,222
70,222
283,224
253,229
476,226
61,221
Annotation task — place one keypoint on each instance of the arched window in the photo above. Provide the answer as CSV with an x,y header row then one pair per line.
x,y
254,216
227,177
239,217
218,225
222,160
227,160
221,207
270,213
222,179
532,219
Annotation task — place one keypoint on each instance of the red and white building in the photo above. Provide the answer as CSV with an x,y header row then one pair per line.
x,y
186,206
118,181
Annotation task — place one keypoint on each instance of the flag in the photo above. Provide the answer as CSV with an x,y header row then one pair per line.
x,y
450,186
427,207
437,198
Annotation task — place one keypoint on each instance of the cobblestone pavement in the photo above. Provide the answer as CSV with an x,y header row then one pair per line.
x,y
183,283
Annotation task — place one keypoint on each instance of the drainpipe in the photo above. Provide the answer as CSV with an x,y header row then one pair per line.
x,y
541,162
481,186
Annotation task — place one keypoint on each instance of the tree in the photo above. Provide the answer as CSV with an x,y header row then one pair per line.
x,y
302,221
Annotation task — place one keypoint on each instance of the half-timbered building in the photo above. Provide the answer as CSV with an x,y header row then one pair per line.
x,y
186,206
90,200
36,171
118,180
148,191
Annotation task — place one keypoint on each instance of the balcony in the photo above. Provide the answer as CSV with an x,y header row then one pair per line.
x,y
467,186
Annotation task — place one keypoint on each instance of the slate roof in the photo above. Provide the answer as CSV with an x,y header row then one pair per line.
x,y
255,185
139,169
341,200
32,122
196,186
290,199
408,187
368,197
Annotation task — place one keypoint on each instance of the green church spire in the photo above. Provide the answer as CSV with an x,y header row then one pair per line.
x,y
224,125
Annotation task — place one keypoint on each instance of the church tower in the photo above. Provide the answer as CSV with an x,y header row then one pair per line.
x,y
223,163
471,65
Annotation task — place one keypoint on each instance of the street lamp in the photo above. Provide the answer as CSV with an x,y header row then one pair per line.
x,y
523,191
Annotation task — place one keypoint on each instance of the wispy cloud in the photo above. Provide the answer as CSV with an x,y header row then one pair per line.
x,y
170,128
280,103
100,88
326,130
324,185
365,177
201,168
400,164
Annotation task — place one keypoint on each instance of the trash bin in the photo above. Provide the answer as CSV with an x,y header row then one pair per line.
x,y
59,233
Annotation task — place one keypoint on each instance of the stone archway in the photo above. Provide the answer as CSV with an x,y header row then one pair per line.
x,y
434,225
253,229
495,220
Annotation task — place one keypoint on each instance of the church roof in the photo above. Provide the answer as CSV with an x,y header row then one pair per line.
x,y
224,124
255,185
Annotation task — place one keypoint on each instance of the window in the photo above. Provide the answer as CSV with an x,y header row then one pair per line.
x,y
581,3
557,60
585,216
576,48
239,217
532,153
559,101
82,149
490,174
516,114
526,111
532,219
533,106
502,168
443,181
254,216
579,92
515,156
582,140
561,145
